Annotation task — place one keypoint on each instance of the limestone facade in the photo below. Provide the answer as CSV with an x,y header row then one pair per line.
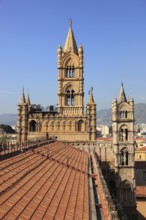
x,y
69,121
124,151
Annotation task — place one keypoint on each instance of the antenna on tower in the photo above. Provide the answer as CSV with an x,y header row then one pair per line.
x,y
70,23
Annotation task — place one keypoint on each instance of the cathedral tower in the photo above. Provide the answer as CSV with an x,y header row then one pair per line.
x,y
70,77
91,114
124,151
68,122
22,121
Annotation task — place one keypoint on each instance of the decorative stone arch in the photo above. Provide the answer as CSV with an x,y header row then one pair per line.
x,y
51,125
124,110
124,157
80,125
33,126
45,125
71,59
69,95
123,133
68,86
126,192
69,124
70,63
57,125
63,125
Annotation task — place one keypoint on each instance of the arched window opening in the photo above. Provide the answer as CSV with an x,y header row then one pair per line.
x,y
123,114
125,192
126,134
124,157
70,98
80,125
70,72
123,134
33,126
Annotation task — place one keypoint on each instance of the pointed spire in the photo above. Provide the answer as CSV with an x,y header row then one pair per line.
x,y
22,101
28,100
70,43
122,96
91,99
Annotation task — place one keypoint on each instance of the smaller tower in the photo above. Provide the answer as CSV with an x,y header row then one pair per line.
x,y
22,120
28,102
124,151
91,114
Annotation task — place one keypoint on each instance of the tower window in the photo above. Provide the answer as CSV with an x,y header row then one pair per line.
x,y
123,134
70,72
80,125
124,157
123,114
33,126
70,98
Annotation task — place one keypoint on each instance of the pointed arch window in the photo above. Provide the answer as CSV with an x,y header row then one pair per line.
x,y
70,72
70,98
124,157
123,114
80,125
33,126
123,134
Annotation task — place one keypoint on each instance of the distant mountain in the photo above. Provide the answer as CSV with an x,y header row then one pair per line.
x,y
140,113
8,119
103,116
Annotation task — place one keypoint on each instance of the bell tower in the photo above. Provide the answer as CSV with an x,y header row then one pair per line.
x,y
70,77
124,151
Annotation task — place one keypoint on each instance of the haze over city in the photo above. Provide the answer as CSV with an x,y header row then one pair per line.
x,y
113,35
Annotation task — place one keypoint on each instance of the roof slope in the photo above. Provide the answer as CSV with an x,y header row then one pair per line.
x,y
50,182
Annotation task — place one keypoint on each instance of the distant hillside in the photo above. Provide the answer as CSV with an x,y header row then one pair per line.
x,y
8,119
103,116
140,113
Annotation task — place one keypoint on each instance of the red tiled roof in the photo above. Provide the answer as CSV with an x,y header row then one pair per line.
x,y
50,182
104,139
141,139
141,191
141,149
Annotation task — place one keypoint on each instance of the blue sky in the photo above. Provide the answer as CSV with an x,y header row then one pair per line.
x,y
112,32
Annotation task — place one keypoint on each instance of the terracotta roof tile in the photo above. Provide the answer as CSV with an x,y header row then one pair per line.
x,y
141,149
49,182
141,191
